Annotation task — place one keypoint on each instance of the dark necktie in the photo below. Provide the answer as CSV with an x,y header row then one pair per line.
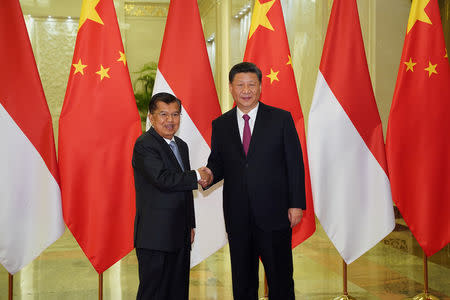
x,y
175,151
246,135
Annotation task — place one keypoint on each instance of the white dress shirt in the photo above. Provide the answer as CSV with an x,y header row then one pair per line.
x,y
251,121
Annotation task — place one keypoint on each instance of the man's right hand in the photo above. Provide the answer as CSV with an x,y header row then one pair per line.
x,y
206,177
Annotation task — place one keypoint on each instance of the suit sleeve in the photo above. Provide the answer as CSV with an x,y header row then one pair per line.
x,y
147,159
215,163
294,165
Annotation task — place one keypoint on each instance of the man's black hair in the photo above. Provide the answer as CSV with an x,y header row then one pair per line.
x,y
244,67
163,97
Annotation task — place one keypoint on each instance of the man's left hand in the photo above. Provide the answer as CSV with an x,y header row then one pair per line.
x,y
192,235
295,216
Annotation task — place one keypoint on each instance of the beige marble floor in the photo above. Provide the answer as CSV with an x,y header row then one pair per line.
x,y
391,270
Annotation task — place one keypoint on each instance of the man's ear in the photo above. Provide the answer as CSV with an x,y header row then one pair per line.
x,y
151,118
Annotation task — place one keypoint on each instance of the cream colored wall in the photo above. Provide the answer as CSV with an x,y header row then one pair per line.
x,y
209,23
383,26
144,37
305,29
391,20
61,8
53,42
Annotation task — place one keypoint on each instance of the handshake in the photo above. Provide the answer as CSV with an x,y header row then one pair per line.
x,y
206,177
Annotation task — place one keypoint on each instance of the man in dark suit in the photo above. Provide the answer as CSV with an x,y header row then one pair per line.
x,y
165,221
256,150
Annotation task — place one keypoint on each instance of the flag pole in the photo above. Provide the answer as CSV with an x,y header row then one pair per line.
x,y
266,289
425,295
10,286
345,295
100,286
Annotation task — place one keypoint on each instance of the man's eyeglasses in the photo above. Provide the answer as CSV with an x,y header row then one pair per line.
x,y
166,115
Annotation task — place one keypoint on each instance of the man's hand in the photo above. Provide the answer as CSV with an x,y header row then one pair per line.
x,y
295,216
192,235
206,176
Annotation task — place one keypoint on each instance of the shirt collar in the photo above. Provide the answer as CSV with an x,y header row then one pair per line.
x,y
168,141
252,113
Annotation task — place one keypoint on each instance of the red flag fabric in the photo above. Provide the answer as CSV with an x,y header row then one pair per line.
x,y
30,197
184,50
418,143
268,48
98,126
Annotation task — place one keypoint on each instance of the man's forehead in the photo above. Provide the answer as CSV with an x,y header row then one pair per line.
x,y
248,77
164,106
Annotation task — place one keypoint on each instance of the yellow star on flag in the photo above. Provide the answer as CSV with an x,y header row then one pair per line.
x,y
446,54
79,67
103,72
88,12
410,65
431,69
273,75
122,58
289,61
418,13
259,17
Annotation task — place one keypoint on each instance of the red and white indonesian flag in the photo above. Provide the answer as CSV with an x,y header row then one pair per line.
x,y
351,190
30,197
184,71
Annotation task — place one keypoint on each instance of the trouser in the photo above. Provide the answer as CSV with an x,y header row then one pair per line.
x,y
163,275
274,249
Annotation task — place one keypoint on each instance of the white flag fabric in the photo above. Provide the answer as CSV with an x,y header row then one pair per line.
x,y
30,197
184,71
351,189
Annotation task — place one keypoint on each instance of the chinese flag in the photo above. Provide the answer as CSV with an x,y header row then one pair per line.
x,y
184,50
268,48
98,126
418,143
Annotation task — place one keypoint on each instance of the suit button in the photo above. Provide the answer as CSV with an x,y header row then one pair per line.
x,y
246,165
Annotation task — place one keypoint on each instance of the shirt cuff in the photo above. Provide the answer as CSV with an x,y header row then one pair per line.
x,y
198,175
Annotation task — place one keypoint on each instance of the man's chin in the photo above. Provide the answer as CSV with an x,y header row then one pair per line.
x,y
169,134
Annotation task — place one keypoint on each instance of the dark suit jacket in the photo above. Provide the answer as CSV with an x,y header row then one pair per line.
x,y
268,181
164,200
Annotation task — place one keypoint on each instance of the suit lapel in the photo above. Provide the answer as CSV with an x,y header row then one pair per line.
x,y
184,154
167,148
258,130
235,135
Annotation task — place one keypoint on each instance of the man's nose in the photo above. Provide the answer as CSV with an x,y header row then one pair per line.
x,y
246,89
